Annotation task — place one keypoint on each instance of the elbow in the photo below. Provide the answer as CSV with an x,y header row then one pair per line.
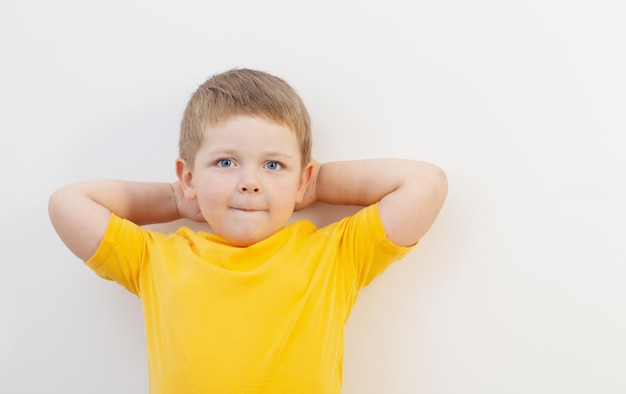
x,y
435,180
53,202
440,183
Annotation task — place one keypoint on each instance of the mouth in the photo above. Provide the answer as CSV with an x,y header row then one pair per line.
x,y
247,209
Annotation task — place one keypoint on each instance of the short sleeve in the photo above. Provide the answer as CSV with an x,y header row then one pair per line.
x,y
364,245
121,252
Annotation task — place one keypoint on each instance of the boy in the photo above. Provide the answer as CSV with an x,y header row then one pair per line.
x,y
256,306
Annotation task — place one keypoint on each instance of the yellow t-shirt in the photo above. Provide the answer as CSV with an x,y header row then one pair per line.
x,y
268,318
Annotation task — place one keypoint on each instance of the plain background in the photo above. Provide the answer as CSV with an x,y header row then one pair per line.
x,y
519,287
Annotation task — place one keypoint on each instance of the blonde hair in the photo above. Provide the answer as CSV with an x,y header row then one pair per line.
x,y
243,92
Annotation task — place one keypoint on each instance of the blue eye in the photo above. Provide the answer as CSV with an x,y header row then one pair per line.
x,y
224,163
273,165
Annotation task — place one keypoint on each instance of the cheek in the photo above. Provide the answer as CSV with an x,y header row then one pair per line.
x,y
285,195
282,187
212,192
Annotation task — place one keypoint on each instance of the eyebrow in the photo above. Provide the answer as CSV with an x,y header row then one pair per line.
x,y
234,152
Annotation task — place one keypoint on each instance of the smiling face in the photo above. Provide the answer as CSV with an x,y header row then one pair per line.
x,y
247,177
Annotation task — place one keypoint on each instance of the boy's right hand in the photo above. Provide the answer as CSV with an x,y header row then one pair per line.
x,y
81,212
187,209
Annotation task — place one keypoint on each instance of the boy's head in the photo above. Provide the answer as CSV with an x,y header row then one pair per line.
x,y
243,92
245,154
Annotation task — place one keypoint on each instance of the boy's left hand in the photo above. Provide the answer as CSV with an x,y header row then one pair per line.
x,y
310,193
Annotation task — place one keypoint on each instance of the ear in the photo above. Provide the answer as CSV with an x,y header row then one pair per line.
x,y
308,174
184,172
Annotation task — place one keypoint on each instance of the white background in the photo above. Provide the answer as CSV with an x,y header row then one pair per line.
x,y
519,287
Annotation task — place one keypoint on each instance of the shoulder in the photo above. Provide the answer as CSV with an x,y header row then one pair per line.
x,y
366,220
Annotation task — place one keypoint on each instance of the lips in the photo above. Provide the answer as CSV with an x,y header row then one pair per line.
x,y
248,209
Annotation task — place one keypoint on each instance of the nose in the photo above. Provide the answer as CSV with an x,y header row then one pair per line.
x,y
250,189
249,183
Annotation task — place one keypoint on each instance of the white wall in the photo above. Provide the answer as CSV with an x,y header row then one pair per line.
x,y
519,286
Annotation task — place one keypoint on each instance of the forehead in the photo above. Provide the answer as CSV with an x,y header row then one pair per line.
x,y
245,132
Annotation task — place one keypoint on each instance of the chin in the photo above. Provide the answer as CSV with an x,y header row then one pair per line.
x,y
242,244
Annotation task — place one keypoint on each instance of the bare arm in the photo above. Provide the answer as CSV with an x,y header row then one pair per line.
x,y
80,212
410,193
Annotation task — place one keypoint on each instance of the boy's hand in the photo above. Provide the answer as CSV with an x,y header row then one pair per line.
x,y
187,209
310,193
410,193
81,212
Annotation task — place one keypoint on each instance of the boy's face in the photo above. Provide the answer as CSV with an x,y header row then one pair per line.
x,y
247,177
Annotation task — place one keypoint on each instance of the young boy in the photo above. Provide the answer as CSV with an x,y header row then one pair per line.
x,y
256,306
